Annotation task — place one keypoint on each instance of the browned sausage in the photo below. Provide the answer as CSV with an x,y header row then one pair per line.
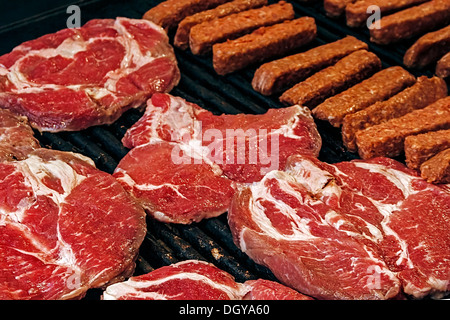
x,y
428,48
277,75
263,43
381,86
443,66
204,35
356,13
424,92
411,22
335,8
181,38
169,13
422,147
346,72
387,139
437,169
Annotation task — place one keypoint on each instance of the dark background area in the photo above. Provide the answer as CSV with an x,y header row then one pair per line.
x,y
14,11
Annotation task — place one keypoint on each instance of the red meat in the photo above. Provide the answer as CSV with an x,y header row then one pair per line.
x,y
197,280
353,230
186,162
77,78
66,227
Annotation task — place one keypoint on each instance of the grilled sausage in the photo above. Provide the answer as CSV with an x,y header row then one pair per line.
x,y
181,39
443,66
428,48
329,81
422,147
424,92
437,169
277,75
411,22
387,139
336,8
263,43
381,86
204,35
169,13
356,13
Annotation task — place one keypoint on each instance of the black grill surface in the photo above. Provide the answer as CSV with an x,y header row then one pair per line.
x,y
211,239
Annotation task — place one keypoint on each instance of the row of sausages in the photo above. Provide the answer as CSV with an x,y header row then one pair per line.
x,y
268,30
433,46
239,32
390,127
344,84
404,19
401,19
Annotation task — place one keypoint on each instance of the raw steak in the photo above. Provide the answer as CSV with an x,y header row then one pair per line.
x,y
262,289
197,280
65,227
80,77
179,193
353,230
185,162
16,137
244,146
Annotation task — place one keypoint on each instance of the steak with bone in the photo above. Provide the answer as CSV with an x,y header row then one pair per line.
x,y
81,77
185,162
368,229
197,280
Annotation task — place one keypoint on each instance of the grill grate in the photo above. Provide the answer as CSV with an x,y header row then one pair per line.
x,y
208,240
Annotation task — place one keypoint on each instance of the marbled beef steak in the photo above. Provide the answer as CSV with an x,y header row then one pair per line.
x,y
185,162
65,227
80,77
197,280
368,229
